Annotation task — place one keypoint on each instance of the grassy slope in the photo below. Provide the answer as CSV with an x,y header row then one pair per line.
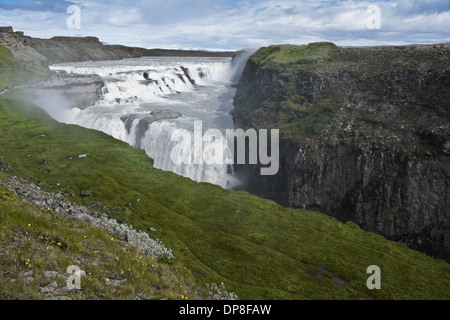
x,y
295,57
14,73
10,70
259,249
37,240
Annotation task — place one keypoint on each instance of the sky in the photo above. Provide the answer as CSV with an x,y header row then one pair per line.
x,y
233,24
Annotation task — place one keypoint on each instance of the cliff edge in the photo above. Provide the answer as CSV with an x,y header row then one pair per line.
x,y
365,135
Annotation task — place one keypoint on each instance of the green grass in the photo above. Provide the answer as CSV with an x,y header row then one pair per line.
x,y
14,73
10,71
297,121
259,249
37,240
281,56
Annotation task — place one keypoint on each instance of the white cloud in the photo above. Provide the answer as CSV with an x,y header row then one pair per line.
x,y
229,25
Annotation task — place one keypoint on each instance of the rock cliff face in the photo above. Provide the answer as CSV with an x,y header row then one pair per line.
x,y
73,90
365,135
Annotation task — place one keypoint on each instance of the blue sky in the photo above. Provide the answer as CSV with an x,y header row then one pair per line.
x,y
233,24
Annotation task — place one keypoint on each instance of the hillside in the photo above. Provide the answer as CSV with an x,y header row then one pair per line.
x,y
37,246
259,249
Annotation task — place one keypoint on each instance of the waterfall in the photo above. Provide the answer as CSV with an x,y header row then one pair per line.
x,y
145,100
238,63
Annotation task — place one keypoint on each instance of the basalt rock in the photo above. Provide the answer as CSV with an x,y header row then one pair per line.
x,y
68,90
145,121
365,135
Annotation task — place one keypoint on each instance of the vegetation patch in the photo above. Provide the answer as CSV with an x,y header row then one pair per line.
x,y
281,56
257,248
37,246
13,73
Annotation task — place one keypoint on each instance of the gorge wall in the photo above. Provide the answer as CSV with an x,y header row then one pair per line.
x,y
365,135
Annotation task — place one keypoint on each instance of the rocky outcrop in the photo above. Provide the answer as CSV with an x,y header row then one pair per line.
x,y
365,136
145,121
187,74
30,192
94,40
6,30
80,91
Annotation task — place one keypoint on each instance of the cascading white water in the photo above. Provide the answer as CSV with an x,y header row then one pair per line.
x,y
200,89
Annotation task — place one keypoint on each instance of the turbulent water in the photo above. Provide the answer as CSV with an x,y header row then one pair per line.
x,y
200,89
